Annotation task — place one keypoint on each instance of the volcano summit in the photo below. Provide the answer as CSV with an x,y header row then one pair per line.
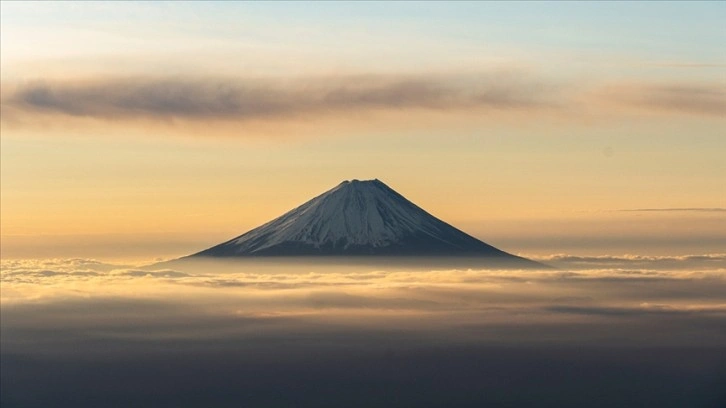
x,y
357,218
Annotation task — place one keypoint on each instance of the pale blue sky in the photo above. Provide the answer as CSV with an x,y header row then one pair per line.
x,y
688,32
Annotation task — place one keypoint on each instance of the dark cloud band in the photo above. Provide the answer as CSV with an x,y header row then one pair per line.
x,y
276,100
253,99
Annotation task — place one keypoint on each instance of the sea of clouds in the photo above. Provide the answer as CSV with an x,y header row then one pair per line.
x,y
656,321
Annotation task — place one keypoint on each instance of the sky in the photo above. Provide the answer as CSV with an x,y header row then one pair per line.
x,y
588,136
139,130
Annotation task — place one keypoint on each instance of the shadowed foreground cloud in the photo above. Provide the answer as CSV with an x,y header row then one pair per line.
x,y
84,333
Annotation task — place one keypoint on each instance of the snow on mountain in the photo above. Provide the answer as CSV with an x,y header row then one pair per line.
x,y
355,218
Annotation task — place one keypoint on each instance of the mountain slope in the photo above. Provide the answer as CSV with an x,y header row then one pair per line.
x,y
356,218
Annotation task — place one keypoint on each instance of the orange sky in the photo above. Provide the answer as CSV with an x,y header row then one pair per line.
x,y
121,147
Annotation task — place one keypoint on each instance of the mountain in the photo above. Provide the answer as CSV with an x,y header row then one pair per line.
x,y
357,218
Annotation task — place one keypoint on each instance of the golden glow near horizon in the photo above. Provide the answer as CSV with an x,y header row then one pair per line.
x,y
127,135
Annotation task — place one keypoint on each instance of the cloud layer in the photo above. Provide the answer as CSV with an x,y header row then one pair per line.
x,y
292,288
243,99
694,209
98,334
648,263
268,99
708,99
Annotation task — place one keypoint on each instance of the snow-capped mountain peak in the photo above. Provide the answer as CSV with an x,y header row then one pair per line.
x,y
355,218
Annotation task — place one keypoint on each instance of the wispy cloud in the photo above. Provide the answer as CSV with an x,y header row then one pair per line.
x,y
684,64
254,98
329,286
276,101
643,309
702,99
646,263
687,209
